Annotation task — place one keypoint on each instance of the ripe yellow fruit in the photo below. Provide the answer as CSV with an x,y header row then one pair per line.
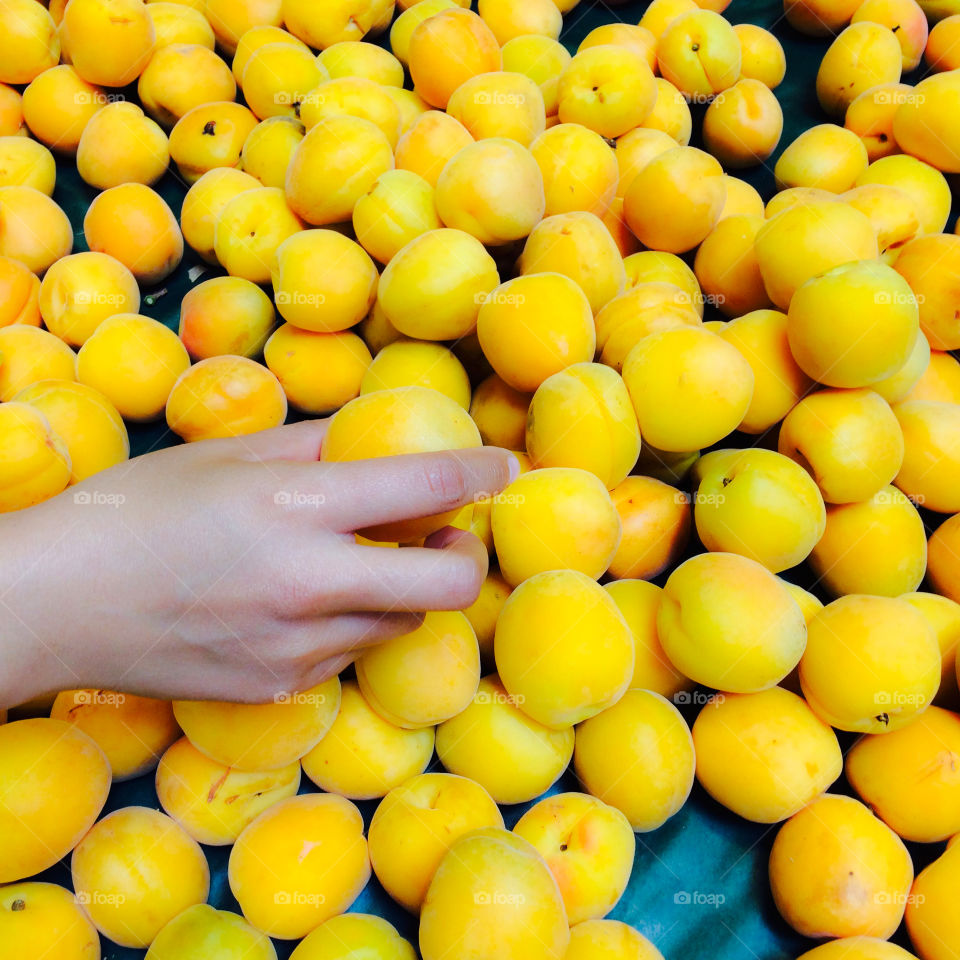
x,y
350,935
31,354
919,125
837,871
33,228
418,363
24,162
865,55
225,315
931,921
609,940
204,203
109,43
579,169
36,463
931,265
30,43
200,931
905,19
825,157
700,54
352,58
269,148
924,184
727,268
762,56
38,919
931,433
120,144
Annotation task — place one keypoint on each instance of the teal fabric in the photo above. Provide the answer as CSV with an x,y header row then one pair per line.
x,y
699,886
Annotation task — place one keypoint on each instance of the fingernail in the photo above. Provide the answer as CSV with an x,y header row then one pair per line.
x,y
514,467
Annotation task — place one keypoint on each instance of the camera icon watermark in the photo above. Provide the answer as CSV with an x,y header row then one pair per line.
x,y
497,98
500,299
495,696
699,698
299,298
297,898
499,898
698,898
97,498
296,498
87,898
304,699
99,698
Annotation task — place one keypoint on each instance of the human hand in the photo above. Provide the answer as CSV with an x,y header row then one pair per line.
x,y
228,569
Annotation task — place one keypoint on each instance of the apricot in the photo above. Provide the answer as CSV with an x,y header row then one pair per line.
x,y
204,202
56,781
231,19
635,149
670,114
848,440
349,96
764,755
819,18
931,433
864,55
43,919
905,19
699,53
33,228
430,143
742,125
19,295
809,239
502,104
836,870
402,420
609,940
135,871
675,200
108,41
178,23
30,43
857,948
689,388
448,48
411,16
507,20
580,247
761,55
582,417
249,233
870,116
423,677
825,157
201,932
500,413
57,106
493,895
24,162
340,20
180,77
636,38
417,823
942,45
80,291
495,743
608,89
931,266
351,935
926,185
225,315
11,112
943,615
588,847
134,225
410,105
616,223
796,197
661,13
931,922
259,36
939,383
351,152
727,268
433,288
214,802
579,169
919,127
121,145
263,736
299,863
209,136
418,363
892,212
872,664
29,355
132,731
484,612
351,58
91,428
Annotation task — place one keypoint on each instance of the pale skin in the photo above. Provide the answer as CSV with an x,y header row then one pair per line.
x,y
228,569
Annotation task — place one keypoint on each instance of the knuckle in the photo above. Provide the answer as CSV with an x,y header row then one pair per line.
x,y
447,481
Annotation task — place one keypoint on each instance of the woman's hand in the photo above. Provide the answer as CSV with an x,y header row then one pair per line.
x,y
228,569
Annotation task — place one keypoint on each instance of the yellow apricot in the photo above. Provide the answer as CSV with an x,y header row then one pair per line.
x,y
251,230
809,239
351,153
700,54
24,162
870,116
717,386
423,677
473,908
109,43
944,549
864,55
225,396
499,104
338,20
80,291
895,388
180,77
635,149
762,56
299,863
58,104
448,48
231,19
91,428
352,934
543,60
943,615
892,212
433,288
931,433
636,38
836,870
134,225
919,124
209,136
930,920
579,169
495,743
825,157
201,931
417,823
796,197
204,202
36,462
500,413
608,88
896,658
11,112
508,20
350,96
33,228
420,363
225,315
256,37
931,266
637,756
19,295
411,16
402,420
430,143
121,145
942,45
30,355
410,105
534,326
675,200
29,43
670,114
819,18
727,269
926,185
363,756
178,23
661,13
609,940
742,125
351,58
907,21
42,919
939,383
857,948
